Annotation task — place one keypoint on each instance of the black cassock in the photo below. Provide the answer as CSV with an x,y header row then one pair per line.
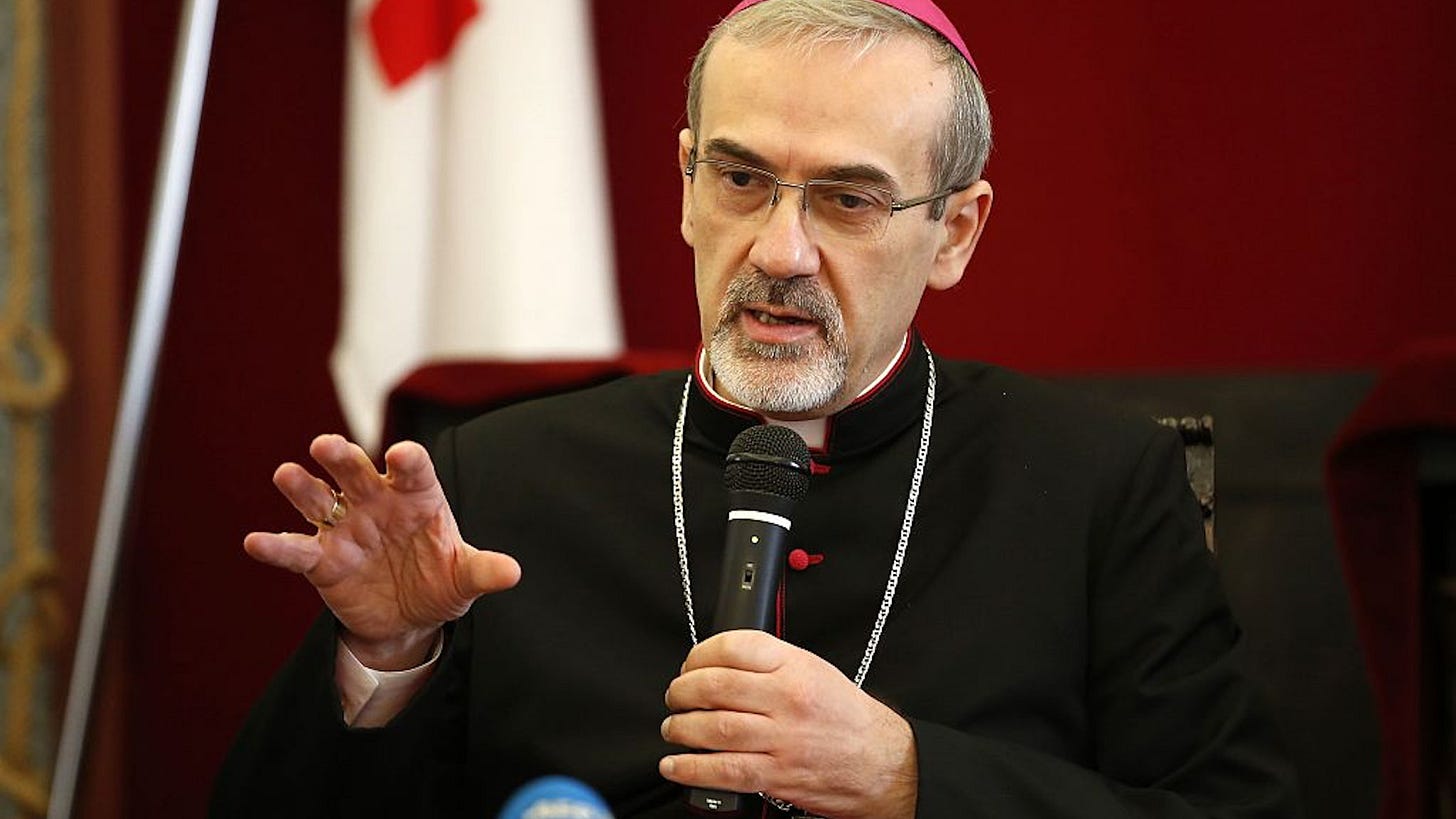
x,y
1059,642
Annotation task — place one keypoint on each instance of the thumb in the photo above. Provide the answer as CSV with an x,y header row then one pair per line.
x,y
489,572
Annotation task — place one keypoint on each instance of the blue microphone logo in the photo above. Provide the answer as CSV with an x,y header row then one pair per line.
x,y
555,797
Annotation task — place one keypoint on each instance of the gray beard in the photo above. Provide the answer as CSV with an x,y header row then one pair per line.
x,y
780,378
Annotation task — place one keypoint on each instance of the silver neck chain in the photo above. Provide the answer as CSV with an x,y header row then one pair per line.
x,y
890,585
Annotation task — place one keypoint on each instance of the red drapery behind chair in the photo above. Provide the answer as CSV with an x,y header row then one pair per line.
x,y
1372,481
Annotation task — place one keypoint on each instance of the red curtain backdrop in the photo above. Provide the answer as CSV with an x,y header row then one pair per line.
x,y
1178,187
1256,186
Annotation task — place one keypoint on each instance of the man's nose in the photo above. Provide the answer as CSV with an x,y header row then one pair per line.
x,y
784,245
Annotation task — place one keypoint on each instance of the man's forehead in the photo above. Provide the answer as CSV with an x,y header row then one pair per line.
x,y
926,11
834,110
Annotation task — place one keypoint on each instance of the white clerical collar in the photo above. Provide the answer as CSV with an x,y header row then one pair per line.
x,y
812,430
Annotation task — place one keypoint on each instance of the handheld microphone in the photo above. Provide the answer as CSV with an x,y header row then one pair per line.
x,y
766,474
555,797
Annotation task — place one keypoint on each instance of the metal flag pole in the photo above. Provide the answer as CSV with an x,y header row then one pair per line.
x,y
159,267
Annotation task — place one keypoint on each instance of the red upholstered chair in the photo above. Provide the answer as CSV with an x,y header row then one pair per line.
x,y
1391,477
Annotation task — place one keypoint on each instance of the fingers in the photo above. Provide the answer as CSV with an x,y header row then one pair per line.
x,y
727,771
345,462
719,688
723,710
289,550
743,649
748,672
488,572
310,496
719,731
409,468
348,464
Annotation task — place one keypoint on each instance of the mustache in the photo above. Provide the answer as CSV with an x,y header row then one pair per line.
x,y
802,295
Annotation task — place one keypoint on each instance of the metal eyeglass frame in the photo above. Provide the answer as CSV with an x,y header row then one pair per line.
x,y
895,205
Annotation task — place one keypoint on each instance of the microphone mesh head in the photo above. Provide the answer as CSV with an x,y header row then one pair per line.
x,y
769,459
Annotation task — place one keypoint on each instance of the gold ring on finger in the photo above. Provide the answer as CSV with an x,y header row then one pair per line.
x,y
336,512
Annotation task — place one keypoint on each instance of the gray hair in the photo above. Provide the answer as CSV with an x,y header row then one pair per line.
x,y
957,156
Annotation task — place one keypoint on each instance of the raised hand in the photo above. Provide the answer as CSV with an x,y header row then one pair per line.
x,y
785,722
388,560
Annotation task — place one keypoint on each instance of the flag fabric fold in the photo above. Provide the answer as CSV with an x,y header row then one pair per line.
x,y
476,221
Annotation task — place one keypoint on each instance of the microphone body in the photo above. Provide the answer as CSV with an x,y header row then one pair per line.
x,y
754,554
767,473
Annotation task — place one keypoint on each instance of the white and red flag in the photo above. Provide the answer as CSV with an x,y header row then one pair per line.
x,y
475,207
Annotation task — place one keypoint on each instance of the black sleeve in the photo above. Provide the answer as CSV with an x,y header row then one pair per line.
x,y
1178,731
295,756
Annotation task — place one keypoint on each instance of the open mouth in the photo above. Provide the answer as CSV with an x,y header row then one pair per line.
x,y
777,324
777,314
765,317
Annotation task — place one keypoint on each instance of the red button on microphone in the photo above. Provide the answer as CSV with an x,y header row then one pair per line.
x,y
799,560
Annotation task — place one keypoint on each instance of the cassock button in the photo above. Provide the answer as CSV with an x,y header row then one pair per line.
x,y
799,560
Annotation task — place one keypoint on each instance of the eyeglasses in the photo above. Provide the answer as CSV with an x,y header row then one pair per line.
x,y
849,210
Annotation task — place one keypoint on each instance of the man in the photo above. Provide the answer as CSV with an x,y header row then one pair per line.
x,y
1007,612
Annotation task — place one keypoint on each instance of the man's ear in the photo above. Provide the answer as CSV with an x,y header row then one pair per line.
x,y
684,153
965,218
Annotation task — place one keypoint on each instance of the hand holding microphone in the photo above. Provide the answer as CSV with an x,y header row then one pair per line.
x,y
766,474
774,718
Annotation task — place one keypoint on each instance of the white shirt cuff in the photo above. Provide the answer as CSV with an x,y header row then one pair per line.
x,y
372,698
